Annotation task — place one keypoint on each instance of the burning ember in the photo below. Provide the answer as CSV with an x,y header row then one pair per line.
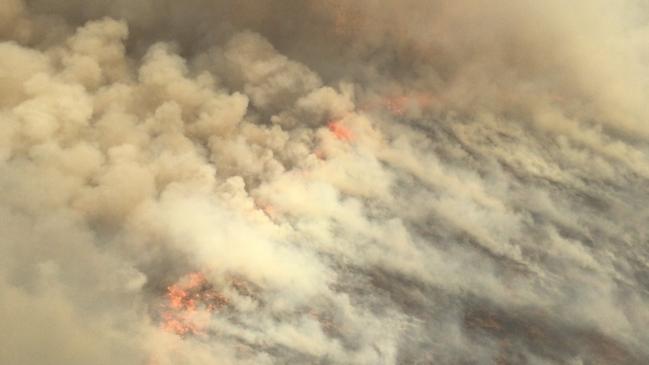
x,y
192,300
186,301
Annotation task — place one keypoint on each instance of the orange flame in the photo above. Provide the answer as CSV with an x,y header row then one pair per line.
x,y
340,131
397,105
192,297
184,299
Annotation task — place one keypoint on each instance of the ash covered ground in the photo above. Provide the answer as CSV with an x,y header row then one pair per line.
x,y
324,182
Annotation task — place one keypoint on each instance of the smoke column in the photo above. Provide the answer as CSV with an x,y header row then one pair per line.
x,y
324,182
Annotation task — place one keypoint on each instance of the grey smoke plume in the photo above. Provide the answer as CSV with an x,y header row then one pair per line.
x,y
352,182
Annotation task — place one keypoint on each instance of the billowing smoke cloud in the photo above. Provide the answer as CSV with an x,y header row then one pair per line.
x,y
324,181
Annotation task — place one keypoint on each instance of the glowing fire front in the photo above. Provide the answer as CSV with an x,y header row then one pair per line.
x,y
188,301
398,106
191,302
340,131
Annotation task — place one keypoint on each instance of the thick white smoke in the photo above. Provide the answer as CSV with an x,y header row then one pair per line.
x,y
358,182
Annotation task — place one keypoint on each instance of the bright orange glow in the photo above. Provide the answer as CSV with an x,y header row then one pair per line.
x,y
180,323
340,131
192,299
184,299
396,105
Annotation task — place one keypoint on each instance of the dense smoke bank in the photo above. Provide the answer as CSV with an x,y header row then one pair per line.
x,y
324,182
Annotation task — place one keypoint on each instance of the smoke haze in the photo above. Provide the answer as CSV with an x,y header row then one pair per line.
x,y
324,182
